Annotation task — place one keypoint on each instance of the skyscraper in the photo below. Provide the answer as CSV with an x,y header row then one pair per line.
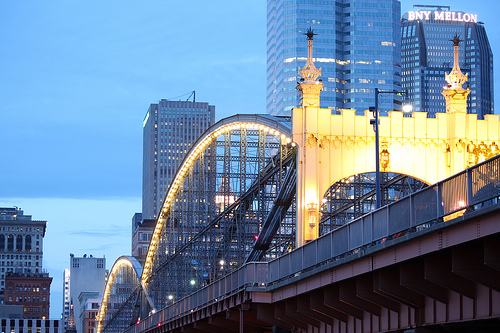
x,y
169,130
357,47
426,54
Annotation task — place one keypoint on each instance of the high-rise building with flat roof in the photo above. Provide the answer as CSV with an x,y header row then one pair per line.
x,y
357,47
427,53
86,274
21,243
170,128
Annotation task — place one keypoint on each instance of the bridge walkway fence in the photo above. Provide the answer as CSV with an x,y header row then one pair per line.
x,y
469,190
249,275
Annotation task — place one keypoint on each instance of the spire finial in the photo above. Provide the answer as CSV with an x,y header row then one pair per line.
x,y
456,78
456,40
455,95
309,72
310,34
309,87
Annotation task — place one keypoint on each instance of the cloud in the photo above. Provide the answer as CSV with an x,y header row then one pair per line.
x,y
109,231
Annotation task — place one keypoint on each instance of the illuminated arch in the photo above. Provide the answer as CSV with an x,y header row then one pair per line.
x,y
125,276
280,128
272,146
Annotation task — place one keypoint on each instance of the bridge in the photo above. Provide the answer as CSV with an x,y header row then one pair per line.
x,y
248,238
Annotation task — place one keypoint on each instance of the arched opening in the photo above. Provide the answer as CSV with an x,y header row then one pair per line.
x,y
10,243
27,244
354,196
19,243
2,242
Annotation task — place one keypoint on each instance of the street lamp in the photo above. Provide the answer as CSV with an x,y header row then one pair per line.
x,y
375,123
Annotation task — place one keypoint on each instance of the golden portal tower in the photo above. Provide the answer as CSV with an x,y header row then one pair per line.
x,y
335,146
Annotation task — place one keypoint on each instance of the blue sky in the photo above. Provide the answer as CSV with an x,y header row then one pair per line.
x,y
76,79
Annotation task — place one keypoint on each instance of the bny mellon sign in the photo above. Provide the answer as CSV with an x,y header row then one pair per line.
x,y
426,15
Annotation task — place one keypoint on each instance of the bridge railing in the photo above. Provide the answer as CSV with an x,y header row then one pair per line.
x,y
251,274
461,192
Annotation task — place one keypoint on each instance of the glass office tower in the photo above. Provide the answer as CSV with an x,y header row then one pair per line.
x,y
169,130
427,53
357,46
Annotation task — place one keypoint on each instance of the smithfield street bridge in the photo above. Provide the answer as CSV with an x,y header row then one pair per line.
x,y
270,226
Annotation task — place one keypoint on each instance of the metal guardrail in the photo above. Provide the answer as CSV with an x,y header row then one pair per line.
x,y
250,274
466,190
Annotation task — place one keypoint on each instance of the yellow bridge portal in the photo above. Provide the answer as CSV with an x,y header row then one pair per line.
x,y
332,147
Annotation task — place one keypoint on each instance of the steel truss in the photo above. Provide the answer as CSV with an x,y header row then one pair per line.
x,y
212,215
214,222
123,293
354,196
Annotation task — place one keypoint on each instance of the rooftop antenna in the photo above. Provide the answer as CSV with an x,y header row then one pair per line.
x,y
193,93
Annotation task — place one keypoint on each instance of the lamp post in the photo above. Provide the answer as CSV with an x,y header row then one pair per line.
x,y
375,123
